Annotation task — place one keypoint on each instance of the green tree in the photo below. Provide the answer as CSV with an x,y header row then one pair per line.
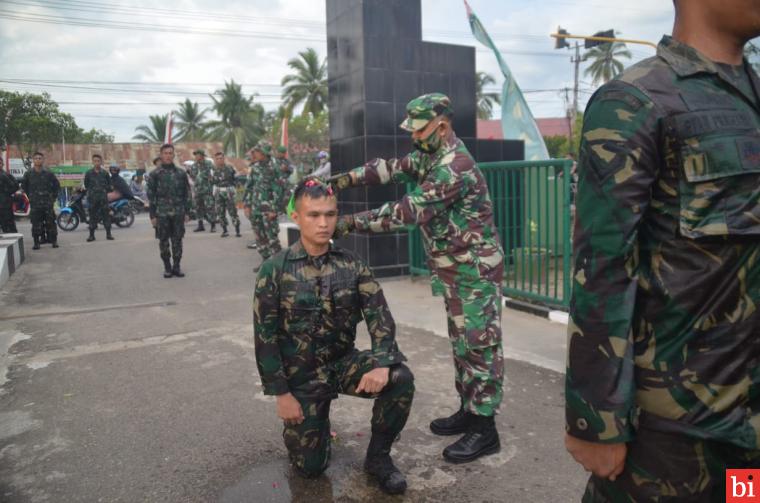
x,y
310,130
33,121
93,136
154,133
308,85
606,61
558,146
191,123
241,121
485,100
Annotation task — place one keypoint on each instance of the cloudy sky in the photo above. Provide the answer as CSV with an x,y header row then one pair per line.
x,y
112,63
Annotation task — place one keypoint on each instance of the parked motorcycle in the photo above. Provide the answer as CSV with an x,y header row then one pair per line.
x,y
21,205
75,212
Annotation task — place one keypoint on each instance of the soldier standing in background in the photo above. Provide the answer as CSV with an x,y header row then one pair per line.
x,y
202,174
453,209
307,303
264,200
98,184
8,187
224,194
663,381
42,188
169,197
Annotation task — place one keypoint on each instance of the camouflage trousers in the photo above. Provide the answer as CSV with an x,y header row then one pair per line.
x,y
473,312
170,229
205,207
99,212
666,467
7,220
267,235
225,203
43,221
308,443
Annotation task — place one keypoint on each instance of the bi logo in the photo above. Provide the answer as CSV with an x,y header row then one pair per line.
x,y
742,486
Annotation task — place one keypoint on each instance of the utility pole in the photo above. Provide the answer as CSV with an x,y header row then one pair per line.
x,y
577,60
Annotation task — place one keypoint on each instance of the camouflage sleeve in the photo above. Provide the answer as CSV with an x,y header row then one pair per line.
x,y
266,300
381,171
25,183
151,190
55,188
87,181
188,195
248,192
380,324
617,168
416,207
109,186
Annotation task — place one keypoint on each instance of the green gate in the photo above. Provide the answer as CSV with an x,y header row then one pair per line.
x,y
532,215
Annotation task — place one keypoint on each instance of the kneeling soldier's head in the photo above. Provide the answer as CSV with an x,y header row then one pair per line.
x,y
314,208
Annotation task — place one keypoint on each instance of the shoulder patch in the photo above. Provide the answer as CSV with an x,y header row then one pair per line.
x,y
617,95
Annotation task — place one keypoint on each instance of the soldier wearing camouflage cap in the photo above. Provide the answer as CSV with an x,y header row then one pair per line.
x,y
453,209
663,378
202,174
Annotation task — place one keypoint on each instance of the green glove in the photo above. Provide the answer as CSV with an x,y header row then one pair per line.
x,y
344,226
340,182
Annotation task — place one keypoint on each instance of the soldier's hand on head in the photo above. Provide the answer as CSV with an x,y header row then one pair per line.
x,y
603,460
344,226
373,381
341,181
289,409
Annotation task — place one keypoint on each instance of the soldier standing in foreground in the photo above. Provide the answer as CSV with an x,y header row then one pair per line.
x,y
452,207
42,188
98,184
663,387
224,194
169,197
8,187
307,303
202,174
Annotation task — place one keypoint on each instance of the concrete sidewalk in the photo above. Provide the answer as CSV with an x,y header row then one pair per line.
x,y
119,385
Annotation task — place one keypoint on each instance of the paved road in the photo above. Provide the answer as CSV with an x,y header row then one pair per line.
x,y
120,385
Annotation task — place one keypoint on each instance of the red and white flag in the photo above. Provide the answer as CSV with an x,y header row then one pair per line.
x,y
169,127
284,134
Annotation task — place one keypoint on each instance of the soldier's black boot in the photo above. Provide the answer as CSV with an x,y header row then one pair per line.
x,y
109,236
224,231
54,242
200,227
213,227
481,439
176,270
237,230
36,243
379,464
455,424
92,236
167,268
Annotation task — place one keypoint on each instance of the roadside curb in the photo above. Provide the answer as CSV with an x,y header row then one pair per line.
x,y
11,255
536,310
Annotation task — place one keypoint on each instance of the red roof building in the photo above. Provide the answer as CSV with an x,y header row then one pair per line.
x,y
550,126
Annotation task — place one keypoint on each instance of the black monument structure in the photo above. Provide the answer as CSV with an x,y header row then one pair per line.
x,y
377,62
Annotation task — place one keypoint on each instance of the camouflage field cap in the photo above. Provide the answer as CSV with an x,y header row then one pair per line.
x,y
420,111
199,151
264,147
282,149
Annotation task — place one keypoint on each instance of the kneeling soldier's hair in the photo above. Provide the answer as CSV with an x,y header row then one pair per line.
x,y
312,187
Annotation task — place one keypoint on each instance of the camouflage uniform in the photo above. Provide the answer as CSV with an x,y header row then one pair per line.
x,y
202,174
98,185
305,313
264,193
664,326
286,170
8,187
42,188
452,207
224,194
169,199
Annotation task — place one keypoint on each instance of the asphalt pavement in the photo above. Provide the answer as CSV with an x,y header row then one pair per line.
x,y
117,385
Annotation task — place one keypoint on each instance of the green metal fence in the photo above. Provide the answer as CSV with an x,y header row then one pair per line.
x,y
532,215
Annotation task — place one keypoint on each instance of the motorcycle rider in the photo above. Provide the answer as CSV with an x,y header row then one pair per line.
x,y
120,188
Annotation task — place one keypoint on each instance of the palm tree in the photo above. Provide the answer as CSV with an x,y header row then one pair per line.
x,y
485,100
308,85
606,61
190,122
240,123
153,133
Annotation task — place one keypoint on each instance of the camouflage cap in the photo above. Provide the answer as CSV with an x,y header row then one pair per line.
x,y
420,111
199,151
282,149
264,147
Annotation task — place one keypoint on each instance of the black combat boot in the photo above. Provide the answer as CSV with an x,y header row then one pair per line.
x,y
176,270
213,227
380,465
167,268
237,230
200,227
224,231
109,236
36,243
92,236
455,424
54,242
481,439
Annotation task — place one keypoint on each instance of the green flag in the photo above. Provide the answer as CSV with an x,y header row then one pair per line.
x,y
517,121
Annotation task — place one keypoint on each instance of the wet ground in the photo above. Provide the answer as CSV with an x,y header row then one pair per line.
x,y
119,385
